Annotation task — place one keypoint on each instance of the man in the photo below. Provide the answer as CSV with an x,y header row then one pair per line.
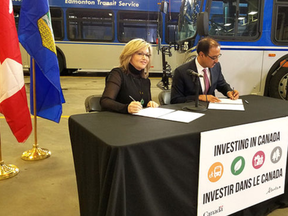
x,y
184,89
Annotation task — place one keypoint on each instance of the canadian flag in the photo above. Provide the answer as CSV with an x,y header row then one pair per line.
x,y
13,100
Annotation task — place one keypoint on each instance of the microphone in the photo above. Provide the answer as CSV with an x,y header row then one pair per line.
x,y
193,73
197,107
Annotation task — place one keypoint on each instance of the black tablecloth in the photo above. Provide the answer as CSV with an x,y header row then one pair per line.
x,y
138,166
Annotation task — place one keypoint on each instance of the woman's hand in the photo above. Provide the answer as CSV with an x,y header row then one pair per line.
x,y
134,107
152,104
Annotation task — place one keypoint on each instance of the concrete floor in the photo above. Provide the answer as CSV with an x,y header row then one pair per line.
x,y
48,186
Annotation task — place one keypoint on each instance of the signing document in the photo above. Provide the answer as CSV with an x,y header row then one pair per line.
x,y
227,104
169,114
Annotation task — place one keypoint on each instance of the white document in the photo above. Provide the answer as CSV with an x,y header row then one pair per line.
x,y
182,116
229,101
227,104
169,114
153,112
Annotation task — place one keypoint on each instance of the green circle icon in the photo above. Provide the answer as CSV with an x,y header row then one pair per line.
x,y
237,165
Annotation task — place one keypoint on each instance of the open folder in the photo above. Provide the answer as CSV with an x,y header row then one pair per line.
x,y
169,114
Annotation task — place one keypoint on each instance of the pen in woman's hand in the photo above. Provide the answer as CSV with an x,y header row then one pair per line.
x,y
135,100
131,97
134,106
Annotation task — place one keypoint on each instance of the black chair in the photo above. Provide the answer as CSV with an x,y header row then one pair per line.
x,y
92,103
164,97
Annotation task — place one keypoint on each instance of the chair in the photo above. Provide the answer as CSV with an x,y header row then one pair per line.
x,y
92,103
164,97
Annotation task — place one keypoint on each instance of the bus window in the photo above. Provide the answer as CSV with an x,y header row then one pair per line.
x,y
171,22
138,24
188,18
57,23
235,18
56,18
281,31
90,25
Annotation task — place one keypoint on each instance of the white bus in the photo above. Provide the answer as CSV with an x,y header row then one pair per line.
x,y
253,34
90,34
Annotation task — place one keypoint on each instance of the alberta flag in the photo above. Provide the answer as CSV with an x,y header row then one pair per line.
x,y
36,36
13,100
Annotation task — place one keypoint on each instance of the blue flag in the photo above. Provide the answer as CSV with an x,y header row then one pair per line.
x,y
36,36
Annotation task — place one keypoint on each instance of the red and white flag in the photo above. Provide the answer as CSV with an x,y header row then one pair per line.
x,y
13,100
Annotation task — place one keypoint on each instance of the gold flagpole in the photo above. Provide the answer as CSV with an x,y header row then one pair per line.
x,y
35,153
6,171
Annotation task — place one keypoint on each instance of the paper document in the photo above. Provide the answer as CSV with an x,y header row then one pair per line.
x,y
227,104
153,112
182,116
229,101
169,114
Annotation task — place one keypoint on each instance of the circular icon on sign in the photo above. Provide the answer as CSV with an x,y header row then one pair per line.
x,y
237,165
276,154
258,159
215,172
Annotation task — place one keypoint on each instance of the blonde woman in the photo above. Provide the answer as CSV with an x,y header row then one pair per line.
x,y
127,87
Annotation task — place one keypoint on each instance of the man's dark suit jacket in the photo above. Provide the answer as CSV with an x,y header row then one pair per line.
x,y
184,89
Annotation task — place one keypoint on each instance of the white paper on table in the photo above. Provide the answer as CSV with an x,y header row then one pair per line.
x,y
182,116
153,112
227,104
169,114
229,101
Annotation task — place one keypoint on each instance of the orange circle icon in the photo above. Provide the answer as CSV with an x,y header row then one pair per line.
x,y
215,172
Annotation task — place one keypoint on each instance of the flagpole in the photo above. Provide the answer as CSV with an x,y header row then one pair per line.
x,y
6,171
35,153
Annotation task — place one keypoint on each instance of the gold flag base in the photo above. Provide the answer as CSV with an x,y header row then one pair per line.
x,y
36,154
7,171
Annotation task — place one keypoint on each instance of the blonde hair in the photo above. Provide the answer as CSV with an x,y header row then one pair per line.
x,y
130,49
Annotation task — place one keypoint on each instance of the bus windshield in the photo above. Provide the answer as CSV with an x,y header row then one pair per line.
x,y
188,19
236,18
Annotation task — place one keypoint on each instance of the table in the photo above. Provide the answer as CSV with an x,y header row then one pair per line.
x,y
137,166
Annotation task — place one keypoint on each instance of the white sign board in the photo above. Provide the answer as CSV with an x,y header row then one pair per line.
x,y
241,166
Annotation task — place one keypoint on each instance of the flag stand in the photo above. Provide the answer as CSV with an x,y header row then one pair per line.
x,y
7,171
35,153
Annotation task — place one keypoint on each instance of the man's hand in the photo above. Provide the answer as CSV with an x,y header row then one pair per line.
x,y
210,98
233,95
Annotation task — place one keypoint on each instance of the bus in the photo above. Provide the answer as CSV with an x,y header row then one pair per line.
x,y
253,35
90,34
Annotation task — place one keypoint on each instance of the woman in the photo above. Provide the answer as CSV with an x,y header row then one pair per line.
x,y
127,87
